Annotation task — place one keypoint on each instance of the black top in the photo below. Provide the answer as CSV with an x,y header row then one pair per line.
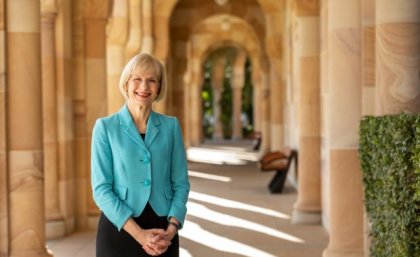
x,y
143,135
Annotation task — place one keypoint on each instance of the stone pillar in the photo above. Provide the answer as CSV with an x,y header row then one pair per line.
x,y
276,104
266,144
343,113
4,201
275,79
257,97
134,41
147,24
307,208
196,112
55,227
115,61
217,84
398,56
66,78
237,85
94,106
24,130
369,85
368,57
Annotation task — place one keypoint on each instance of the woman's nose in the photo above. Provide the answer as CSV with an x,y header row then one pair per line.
x,y
143,83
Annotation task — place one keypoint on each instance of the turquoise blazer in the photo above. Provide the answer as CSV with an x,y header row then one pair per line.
x,y
127,172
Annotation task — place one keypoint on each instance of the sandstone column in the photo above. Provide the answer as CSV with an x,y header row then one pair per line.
x,y
257,97
147,24
196,128
24,127
237,85
65,78
276,82
217,84
4,202
115,61
398,56
55,224
307,208
266,144
134,41
94,106
369,84
343,113
368,56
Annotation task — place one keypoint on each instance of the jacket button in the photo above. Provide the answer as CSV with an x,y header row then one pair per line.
x,y
146,160
147,182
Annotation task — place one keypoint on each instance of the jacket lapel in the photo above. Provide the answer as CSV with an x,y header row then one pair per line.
x,y
127,122
152,128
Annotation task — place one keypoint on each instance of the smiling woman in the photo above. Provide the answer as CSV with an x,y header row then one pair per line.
x,y
142,199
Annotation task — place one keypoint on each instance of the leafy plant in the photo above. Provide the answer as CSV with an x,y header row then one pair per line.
x,y
390,161
226,101
247,98
207,101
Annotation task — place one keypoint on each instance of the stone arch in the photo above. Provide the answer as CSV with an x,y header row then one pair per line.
x,y
251,12
204,39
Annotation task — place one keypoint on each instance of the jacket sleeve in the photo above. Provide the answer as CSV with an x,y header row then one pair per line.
x,y
102,178
179,177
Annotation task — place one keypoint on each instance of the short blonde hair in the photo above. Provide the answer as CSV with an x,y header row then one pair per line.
x,y
148,65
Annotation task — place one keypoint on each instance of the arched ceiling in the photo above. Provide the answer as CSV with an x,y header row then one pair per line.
x,y
180,16
207,37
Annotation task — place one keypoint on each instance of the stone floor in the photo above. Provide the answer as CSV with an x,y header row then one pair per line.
x,y
230,213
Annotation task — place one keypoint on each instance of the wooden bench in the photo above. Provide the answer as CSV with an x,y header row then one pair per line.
x,y
278,161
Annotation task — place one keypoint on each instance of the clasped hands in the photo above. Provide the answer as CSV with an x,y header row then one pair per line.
x,y
156,241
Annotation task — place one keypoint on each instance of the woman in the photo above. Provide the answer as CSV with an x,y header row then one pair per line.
x,y
139,169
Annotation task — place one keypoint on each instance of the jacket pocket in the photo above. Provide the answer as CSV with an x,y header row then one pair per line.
x,y
121,192
168,192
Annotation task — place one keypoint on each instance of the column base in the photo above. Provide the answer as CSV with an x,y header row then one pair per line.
x,y
305,217
342,253
31,254
93,222
55,229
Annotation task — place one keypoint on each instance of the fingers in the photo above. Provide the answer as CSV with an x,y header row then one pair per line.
x,y
155,250
150,251
157,242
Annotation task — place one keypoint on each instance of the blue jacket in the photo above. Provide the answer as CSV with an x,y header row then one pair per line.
x,y
128,172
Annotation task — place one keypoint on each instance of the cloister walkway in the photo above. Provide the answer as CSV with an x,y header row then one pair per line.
x,y
230,212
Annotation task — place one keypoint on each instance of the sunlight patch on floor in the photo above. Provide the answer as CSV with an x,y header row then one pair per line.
x,y
196,233
184,253
201,211
209,176
220,156
236,205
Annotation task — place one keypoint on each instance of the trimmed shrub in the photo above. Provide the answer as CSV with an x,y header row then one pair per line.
x,y
390,161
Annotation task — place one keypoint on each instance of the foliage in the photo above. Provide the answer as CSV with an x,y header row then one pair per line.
x,y
390,161
207,101
247,98
226,101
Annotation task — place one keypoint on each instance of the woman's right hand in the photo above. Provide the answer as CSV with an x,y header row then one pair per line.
x,y
154,241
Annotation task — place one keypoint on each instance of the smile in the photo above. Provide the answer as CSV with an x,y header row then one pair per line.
x,y
143,95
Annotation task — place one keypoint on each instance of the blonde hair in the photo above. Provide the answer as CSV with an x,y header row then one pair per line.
x,y
148,65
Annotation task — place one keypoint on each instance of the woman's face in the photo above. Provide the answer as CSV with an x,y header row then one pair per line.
x,y
142,88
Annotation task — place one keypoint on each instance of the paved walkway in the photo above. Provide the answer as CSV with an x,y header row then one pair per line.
x,y
230,213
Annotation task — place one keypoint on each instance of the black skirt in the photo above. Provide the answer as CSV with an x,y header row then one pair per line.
x,y
113,243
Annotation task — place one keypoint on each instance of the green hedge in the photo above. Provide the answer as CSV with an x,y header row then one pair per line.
x,y
390,161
